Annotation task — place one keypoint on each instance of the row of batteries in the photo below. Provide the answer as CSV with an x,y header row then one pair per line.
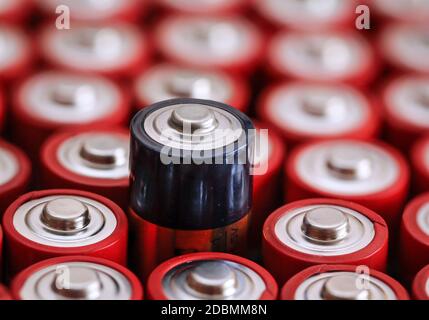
x,y
196,203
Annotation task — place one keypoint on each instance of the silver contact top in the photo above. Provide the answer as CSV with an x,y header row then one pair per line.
x,y
76,281
344,285
347,167
213,280
423,218
318,109
96,155
167,82
409,99
8,166
68,98
64,221
12,46
193,127
324,230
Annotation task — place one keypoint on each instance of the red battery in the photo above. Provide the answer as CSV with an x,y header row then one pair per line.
x,y
372,174
95,10
402,10
15,174
16,54
420,165
421,284
306,111
4,293
117,50
342,282
211,276
405,47
76,278
60,222
168,81
405,102
329,57
414,237
14,11
229,43
203,7
52,100
322,231
91,160
308,15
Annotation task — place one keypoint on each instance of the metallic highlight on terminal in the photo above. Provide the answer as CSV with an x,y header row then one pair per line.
x,y
349,164
344,287
103,150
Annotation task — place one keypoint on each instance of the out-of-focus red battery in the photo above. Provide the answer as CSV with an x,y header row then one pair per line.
x,y
15,174
405,102
4,293
16,54
91,160
230,43
49,101
414,237
59,222
167,81
405,47
76,278
330,57
420,165
342,282
211,276
421,285
14,11
402,10
117,50
372,174
305,111
322,231
308,15
96,10
203,7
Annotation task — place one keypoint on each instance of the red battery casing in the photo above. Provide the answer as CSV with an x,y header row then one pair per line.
x,y
283,262
414,242
4,293
19,280
154,284
16,11
19,183
55,175
387,203
420,165
420,284
289,289
21,252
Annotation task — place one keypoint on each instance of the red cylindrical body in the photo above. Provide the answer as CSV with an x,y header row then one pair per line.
x,y
421,284
283,261
16,11
420,165
18,283
414,237
4,293
290,288
24,248
155,284
89,171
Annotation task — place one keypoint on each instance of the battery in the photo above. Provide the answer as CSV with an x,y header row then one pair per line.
x,y
421,285
372,174
54,100
15,174
414,237
116,50
405,47
76,278
4,293
14,11
305,111
89,160
167,81
191,188
204,7
322,231
405,101
211,276
329,57
342,282
420,164
100,11
60,222
232,44
308,15
402,10
16,54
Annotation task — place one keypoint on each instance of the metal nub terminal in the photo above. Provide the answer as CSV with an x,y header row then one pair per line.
x,y
349,164
344,287
104,151
213,280
324,106
189,85
193,118
74,96
81,283
103,42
